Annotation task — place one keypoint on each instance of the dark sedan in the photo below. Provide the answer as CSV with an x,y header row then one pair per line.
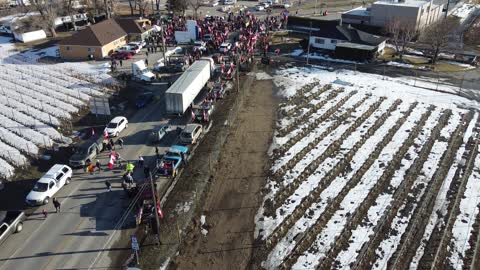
x,y
143,99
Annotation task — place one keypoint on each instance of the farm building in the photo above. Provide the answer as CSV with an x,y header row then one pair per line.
x,y
100,40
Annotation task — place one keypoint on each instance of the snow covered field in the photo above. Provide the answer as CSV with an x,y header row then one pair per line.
x,y
350,187
36,99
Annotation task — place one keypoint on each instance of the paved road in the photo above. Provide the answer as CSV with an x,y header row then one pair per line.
x,y
82,235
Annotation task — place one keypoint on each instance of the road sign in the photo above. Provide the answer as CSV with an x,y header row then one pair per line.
x,y
135,245
100,106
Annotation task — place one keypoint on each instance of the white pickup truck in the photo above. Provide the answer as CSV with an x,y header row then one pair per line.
x,y
58,176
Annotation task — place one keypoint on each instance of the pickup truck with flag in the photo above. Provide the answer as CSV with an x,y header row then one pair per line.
x,y
172,160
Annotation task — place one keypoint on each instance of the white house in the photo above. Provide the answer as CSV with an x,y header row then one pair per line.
x,y
331,36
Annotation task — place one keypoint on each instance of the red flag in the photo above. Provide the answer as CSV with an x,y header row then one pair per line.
x,y
193,116
113,157
105,134
204,115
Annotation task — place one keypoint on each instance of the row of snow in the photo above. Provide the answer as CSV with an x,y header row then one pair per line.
x,y
291,79
35,100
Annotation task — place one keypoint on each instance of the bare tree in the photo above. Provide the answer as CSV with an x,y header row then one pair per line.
x,y
49,10
195,4
67,9
436,35
179,6
401,33
142,6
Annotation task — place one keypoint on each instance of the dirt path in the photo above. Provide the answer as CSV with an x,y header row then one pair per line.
x,y
234,195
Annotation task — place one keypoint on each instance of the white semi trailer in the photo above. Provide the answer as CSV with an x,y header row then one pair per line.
x,y
184,90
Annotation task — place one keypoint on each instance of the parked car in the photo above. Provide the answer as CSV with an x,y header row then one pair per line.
x,y
86,152
220,90
287,5
159,132
225,47
178,150
191,133
122,55
10,222
200,45
116,125
213,3
259,8
265,4
208,37
139,44
129,49
5,29
49,184
143,99
203,111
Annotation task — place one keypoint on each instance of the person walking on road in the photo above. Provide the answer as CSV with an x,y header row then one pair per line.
x,y
97,164
157,152
120,143
140,161
112,144
57,205
45,213
146,171
109,186
121,62
129,180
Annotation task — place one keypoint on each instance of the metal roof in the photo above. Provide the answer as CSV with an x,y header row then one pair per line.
x,y
184,81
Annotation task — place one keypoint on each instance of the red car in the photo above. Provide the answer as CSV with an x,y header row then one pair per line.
x,y
122,55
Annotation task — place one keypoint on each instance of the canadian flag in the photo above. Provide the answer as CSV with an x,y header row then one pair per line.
x,y
223,67
113,158
205,118
230,70
193,116
105,134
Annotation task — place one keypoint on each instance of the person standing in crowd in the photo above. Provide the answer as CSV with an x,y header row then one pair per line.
x,y
120,143
97,164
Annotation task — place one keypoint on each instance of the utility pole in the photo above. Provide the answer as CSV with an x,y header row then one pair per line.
x,y
446,9
162,31
157,219
308,47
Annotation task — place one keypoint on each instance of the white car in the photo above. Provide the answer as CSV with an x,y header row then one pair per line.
x,y
259,8
287,5
213,4
58,176
225,47
265,4
129,49
200,45
139,44
208,37
116,126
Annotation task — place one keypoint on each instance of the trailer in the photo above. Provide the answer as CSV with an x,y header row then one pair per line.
x,y
186,88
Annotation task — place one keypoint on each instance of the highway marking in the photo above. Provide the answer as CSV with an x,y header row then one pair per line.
x,y
34,232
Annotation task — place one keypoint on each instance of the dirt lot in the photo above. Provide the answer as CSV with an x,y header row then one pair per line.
x,y
234,194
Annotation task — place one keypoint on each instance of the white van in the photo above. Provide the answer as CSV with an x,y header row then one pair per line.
x,y
191,133
58,176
